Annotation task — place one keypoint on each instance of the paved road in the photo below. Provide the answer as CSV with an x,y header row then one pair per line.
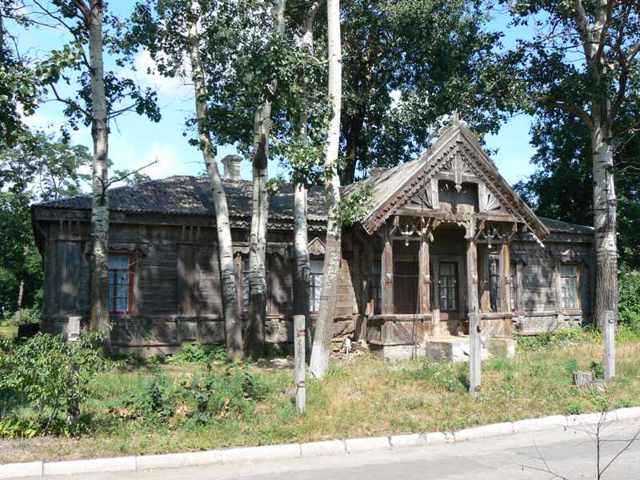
x,y
570,454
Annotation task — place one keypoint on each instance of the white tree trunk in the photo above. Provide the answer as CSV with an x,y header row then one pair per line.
x,y
301,239
331,271
260,213
99,288
233,327
604,222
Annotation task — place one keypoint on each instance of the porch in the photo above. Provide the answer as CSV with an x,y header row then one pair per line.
x,y
428,275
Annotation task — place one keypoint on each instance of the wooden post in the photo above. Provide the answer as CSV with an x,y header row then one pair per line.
x,y
424,279
299,340
474,317
609,339
505,260
386,271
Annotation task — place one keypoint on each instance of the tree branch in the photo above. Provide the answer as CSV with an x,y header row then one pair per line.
x,y
84,9
66,101
132,172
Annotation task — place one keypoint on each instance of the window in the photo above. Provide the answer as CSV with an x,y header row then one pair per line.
x,y
373,285
514,286
120,284
448,286
494,282
569,286
315,284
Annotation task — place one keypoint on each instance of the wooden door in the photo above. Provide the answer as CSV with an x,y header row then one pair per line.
x,y
449,290
405,287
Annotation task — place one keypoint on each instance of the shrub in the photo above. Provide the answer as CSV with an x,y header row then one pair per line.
x,y
155,402
51,378
629,300
219,395
199,353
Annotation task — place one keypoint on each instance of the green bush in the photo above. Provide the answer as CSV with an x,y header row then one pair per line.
x,y
199,353
449,376
154,403
218,395
629,300
48,379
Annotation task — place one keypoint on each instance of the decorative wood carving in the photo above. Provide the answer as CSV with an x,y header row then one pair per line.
x,y
316,247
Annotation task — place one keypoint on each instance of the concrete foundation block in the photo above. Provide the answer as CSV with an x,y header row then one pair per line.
x,y
363,444
329,447
21,470
117,464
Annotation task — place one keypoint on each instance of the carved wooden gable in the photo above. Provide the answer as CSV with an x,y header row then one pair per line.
x,y
457,176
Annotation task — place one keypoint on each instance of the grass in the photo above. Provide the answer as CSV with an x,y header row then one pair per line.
x,y
360,397
8,330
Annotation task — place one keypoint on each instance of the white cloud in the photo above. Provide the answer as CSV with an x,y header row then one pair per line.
x,y
147,73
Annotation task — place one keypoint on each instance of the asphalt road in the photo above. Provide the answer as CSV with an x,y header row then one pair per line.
x,y
569,454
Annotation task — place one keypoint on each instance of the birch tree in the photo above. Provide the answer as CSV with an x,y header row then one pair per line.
x,y
199,42
581,64
333,252
260,208
233,327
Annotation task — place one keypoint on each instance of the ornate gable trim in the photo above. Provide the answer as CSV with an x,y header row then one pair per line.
x,y
316,247
459,152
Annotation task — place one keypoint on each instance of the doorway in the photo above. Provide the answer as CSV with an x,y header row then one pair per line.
x,y
405,278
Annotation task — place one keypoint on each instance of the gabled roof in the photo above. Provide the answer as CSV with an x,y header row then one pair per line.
x,y
393,188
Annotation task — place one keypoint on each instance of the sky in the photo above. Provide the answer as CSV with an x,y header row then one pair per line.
x,y
135,141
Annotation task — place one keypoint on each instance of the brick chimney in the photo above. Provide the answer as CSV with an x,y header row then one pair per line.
x,y
232,167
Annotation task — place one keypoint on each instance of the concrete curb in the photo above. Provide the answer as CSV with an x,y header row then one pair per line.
x,y
311,449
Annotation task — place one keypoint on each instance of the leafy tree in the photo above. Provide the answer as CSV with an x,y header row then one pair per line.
x,y
100,96
319,363
406,64
583,61
43,168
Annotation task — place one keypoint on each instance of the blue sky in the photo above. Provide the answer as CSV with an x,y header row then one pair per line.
x,y
136,141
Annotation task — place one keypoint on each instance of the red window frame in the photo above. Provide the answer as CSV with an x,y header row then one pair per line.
x,y
112,302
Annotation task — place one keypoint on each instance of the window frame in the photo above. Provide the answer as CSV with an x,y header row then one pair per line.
x,y
561,286
449,288
313,289
131,275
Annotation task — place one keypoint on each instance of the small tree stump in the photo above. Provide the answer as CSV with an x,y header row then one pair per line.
x,y
583,378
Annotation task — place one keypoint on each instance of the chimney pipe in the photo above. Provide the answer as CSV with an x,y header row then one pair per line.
x,y
231,165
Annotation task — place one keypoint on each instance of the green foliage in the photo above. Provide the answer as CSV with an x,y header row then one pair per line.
x,y
574,408
51,377
219,395
199,353
154,402
560,338
446,375
629,300
356,206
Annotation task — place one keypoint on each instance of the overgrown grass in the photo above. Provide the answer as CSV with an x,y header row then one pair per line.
x,y
359,397
8,330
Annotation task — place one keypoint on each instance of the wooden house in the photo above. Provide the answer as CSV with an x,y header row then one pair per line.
x,y
439,228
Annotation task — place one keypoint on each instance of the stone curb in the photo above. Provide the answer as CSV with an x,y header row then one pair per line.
x,y
298,450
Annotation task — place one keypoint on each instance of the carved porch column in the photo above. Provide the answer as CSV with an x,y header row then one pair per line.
x,y
424,278
505,260
473,312
386,271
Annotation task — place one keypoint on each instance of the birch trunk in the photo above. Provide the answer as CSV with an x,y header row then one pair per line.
x,y
260,213
232,325
604,222
324,327
20,302
301,239
99,310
